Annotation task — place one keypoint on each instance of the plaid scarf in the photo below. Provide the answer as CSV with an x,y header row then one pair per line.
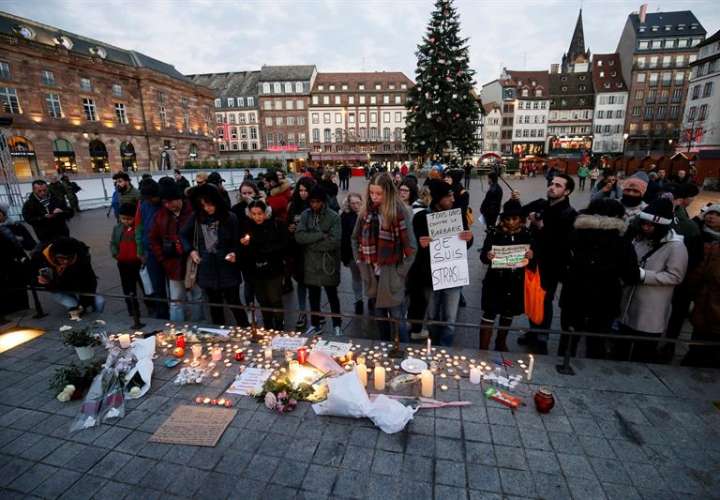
x,y
382,246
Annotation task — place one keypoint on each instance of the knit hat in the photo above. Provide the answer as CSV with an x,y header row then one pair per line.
x,y
715,207
659,212
215,178
317,193
149,188
439,190
127,209
639,181
511,208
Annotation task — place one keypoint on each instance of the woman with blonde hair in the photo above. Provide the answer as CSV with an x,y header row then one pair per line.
x,y
384,248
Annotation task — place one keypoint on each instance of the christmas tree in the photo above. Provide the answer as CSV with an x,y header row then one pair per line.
x,y
443,110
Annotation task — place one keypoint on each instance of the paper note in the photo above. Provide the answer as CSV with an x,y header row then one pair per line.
x,y
249,382
333,349
287,343
509,256
193,425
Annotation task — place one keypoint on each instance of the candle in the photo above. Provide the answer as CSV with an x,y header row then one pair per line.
x,y
179,352
196,351
426,384
361,371
475,375
531,366
293,367
180,341
239,356
379,378
216,353
428,351
302,355
268,353
124,340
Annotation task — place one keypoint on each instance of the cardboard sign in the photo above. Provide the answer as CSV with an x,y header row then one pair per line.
x,y
249,382
448,253
287,343
509,256
332,349
194,426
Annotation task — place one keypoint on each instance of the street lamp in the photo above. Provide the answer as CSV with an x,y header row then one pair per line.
x,y
625,138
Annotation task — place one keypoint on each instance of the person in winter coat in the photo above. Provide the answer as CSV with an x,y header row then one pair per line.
x,y
212,238
384,247
503,291
552,222
267,243
144,219
216,180
348,218
319,235
46,214
71,189
15,242
607,187
294,259
279,197
126,191
64,268
663,258
633,190
328,184
601,262
407,190
247,193
181,181
582,174
166,245
125,250
704,286
594,175
490,207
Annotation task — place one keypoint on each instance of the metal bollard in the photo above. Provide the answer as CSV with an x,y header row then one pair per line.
x,y
39,312
137,325
565,368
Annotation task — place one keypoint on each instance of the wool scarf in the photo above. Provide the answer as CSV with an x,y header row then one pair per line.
x,y
384,246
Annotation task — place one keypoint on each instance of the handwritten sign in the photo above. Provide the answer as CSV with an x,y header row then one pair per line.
x,y
509,256
249,381
332,349
220,332
194,426
448,253
287,343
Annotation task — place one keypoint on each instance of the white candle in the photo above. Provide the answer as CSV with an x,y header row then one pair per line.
x,y
216,354
530,367
361,371
475,375
196,351
426,384
124,340
379,378
268,353
428,351
292,368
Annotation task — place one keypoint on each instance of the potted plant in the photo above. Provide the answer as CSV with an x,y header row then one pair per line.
x,y
82,339
78,376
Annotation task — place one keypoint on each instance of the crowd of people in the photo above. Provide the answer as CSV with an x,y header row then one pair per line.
x,y
632,263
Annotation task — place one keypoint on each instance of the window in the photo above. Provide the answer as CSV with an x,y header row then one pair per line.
x,y
298,87
702,112
326,117
241,102
4,70
277,88
231,102
656,44
643,45
267,105
344,86
278,104
89,109
362,99
373,99
290,121
120,113
289,104
288,87
660,114
707,90
386,99
677,95
85,84
351,100
253,133
653,78
386,117
301,120
251,102
639,95
218,103
386,133
338,118
398,99
251,117
378,86
600,114
654,61
373,133
315,118
618,113
636,111
682,43
666,61
398,116
301,139
691,113
268,121
315,99
326,99
327,135
351,118
337,99
163,116
321,87
403,86
696,92
674,112
266,88
361,86
48,77
373,117
53,105
279,121
362,117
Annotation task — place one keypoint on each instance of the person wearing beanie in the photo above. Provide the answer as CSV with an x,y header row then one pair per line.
x,y
442,304
319,235
124,248
503,289
704,286
646,306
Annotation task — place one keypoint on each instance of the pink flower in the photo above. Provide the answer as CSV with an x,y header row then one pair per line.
x,y
271,401
282,395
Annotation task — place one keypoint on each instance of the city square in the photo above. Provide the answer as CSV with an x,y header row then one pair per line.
x,y
285,282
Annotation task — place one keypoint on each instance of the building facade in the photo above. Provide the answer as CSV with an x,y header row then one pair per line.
x,y
358,116
701,119
611,98
81,106
491,129
235,107
530,118
284,98
570,123
655,51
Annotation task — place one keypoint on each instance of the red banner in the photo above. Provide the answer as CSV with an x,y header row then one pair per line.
x,y
289,147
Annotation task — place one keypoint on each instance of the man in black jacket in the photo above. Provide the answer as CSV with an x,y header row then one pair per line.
x,y
491,205
46,214
552,222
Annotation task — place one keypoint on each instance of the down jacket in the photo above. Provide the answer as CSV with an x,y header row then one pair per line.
x,y
704,285
319,237
646,306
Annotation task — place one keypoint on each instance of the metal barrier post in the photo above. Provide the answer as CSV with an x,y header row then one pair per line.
x,y
137,325
565,368
39,312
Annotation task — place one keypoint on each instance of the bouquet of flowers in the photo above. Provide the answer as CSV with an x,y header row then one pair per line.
x,y
280,395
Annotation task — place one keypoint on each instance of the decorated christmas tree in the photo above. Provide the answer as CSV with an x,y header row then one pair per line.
x,y
443,110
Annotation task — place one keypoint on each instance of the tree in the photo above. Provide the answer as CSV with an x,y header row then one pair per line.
x,y
442,108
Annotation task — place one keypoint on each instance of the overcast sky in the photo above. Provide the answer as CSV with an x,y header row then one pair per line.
x,y
342,35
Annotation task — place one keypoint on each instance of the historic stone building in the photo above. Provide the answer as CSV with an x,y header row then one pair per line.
x,y
611,97
80,105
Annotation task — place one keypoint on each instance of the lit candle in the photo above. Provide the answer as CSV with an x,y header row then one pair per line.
x,y
180,341
426,384
293,368
531,366
196,351
124,340
361,371
216,353
379,378
444,387
302,355
428,351
268,353
475,375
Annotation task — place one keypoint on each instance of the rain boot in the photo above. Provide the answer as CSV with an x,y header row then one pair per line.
x,y
501,339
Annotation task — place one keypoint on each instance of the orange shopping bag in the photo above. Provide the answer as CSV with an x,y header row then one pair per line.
x,y
534,296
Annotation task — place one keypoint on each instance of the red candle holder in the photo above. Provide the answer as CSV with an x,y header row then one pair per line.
x,y
544,401
239,356
180,340
302,355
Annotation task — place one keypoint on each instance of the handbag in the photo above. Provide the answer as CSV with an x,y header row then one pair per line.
x,y
146,281
191,268
534,296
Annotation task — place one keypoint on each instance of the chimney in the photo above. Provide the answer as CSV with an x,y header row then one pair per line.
x,y
643,13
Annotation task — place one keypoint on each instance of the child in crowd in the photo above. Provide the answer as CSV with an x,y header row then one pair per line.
x,y
127,253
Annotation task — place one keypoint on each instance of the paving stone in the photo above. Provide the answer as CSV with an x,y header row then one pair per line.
x,y
510,457
112,489
336,432
110,464
597,447
33,477
179,454
585,426
517,482
505,435
22,443
133,442
484,478
186,481
86,459
644,476
477,432
575,466
388,463
8,435
278,492
84,488
551,486
414,490
422,425
449,428
556,423
449,449
620,492
248,441
112,437
261,468
352,484
275,445
450,473
542,461
417,468
156,451
474,413
357,458
233,462
582,487
382,487
329,453
627,451
135,470
319,478
392,442
450,493
536,439
57,484
563,442
420,445
159,476
500,416
287,425
219,485
610,471
480,453
42,448
364,437
290,473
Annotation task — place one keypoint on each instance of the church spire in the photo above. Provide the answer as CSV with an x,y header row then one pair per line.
x,y
577,47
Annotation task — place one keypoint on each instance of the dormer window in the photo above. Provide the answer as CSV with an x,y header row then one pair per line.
x,y
599,63
602,74
641,29
680,27
582,87
655,28
606,85
321,87
563,78
581,77
611,62
98,52
563,88
693,26
24,31
668,27
63,41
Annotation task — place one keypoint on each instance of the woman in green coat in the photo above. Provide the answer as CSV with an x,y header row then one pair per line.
x,y
319,234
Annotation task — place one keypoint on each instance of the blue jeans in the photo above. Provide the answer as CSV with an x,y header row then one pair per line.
x,y
385,328
176,291
71,301
443,306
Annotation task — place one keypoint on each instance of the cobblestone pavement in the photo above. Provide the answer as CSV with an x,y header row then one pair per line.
x,y
618,430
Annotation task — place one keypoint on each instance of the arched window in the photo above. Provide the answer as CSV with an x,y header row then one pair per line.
x,y
127,156
99,156
23,156
338,135
193,152
327,135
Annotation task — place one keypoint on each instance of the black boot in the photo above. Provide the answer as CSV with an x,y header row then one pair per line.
x,y
359,307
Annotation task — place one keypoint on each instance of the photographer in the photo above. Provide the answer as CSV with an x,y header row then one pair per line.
x,y
607,187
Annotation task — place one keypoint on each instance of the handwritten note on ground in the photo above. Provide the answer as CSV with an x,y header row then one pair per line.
x,y
448,253
285,342
194,425
249,381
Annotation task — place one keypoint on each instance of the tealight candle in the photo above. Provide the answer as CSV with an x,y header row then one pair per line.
x,y
426,384
124,340
268,353
217,354
361,371
475,375
293,367
379,377
302,355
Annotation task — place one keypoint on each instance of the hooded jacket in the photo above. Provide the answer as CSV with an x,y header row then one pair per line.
x,y
78,277
646,306
214,272
279,199
319,237
166,230
46,228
